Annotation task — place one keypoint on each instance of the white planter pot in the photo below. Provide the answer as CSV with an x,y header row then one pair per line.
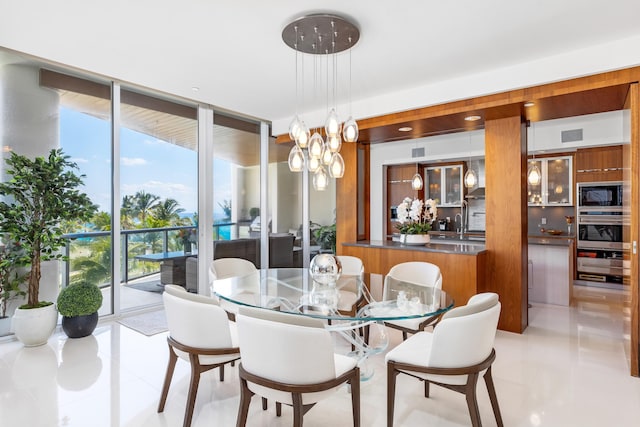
x,y
34,326
415,239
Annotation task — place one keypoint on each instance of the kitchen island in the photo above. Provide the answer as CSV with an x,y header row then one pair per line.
x,y
462,262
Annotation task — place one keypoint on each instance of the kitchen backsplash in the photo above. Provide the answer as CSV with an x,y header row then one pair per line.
x,y
555,218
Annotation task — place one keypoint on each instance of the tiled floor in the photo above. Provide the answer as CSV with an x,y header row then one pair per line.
x,y
569,368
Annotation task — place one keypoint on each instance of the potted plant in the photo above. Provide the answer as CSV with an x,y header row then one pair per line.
x,y
325,236
37,197
254,212
78,304
414,220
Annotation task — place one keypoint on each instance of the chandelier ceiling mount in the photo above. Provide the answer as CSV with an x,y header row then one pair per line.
x,y
321,34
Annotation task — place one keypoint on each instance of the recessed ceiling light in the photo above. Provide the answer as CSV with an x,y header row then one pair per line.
x,y
529,104
405,129
472,118
195,88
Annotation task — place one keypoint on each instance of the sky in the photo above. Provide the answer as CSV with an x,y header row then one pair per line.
x,y
146,163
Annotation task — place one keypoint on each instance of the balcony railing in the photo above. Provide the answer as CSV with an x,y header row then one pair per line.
x,y
89,252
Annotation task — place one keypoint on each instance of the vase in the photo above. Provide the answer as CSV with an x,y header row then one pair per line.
x,y
34,326
415,239
79,326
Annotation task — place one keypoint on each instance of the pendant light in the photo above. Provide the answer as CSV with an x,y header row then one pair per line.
x,y
534,177
336,166
416,181
350,127
470,177
296,159
322,36
320,179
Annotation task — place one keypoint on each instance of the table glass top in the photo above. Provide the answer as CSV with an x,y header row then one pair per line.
x,y
293,290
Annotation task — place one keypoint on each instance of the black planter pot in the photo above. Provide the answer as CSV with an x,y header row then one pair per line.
x,y
79,326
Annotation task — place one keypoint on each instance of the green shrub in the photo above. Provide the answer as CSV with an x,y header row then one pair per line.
x,y
79,300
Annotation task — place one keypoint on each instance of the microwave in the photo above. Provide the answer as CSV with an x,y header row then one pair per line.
x,y
600,195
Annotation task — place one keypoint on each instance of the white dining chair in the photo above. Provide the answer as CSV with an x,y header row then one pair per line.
x,y
419,273
350,297
454,355
224,268
199,333
290,359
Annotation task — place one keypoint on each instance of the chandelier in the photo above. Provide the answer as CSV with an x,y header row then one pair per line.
x,y
323,36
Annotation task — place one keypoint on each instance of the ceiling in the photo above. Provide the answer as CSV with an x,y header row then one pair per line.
x,y
411,53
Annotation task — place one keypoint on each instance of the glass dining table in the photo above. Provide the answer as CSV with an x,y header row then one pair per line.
x,y
346,304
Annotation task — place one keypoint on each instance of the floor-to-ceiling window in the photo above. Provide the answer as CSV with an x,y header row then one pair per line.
x,y
236,184
158,192
140,161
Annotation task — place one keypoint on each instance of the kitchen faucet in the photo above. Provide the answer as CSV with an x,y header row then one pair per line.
x,y
463,222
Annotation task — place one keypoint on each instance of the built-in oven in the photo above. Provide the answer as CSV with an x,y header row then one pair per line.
x,y
605,196
599,230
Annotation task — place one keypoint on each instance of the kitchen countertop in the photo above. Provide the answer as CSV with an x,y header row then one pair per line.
x,y
541,239
451,247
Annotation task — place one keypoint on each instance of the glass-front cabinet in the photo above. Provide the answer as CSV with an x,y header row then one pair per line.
x,y
555,186
444,185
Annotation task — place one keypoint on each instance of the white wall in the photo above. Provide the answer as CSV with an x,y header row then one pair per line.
x,y
29,126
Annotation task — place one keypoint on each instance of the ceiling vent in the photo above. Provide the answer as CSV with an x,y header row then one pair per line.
x,y
572,135
417,152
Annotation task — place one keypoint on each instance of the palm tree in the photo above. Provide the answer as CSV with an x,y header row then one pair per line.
x,y
102,221
127,212
144,203
168,211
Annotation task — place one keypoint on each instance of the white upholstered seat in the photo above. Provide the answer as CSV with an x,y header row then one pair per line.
x,y
290,359
350,297
454,355
420,273
223,268
199,333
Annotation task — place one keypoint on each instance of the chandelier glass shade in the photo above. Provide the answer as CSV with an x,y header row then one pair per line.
x,y
416,182
323,36
533,174
470,178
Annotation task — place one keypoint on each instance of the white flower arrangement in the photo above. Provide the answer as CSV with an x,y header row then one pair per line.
x,y
416,216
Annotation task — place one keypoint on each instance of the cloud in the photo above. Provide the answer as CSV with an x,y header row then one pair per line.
x,y
79,160
132,161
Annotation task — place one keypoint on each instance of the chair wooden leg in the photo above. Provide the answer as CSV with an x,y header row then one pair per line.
x,y
193,389
245,400
426,388
488,379
221,373
171,365
404,336
472,401
298,410
264,403
355,397
278,409
391,391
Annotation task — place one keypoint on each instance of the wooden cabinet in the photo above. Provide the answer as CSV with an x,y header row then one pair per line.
x,y
399,187
444,185
556,184
599,164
